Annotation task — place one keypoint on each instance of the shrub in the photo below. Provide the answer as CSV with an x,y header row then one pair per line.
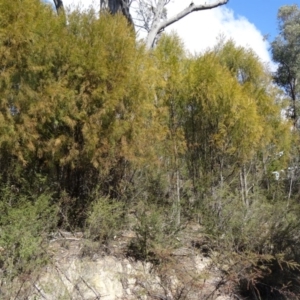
x,y
105,218
25,222
256,246
153,231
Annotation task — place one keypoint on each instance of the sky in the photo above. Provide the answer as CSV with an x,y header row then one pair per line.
x,y
247,22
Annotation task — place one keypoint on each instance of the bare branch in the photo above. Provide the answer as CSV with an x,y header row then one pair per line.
x,y
159,25
191,8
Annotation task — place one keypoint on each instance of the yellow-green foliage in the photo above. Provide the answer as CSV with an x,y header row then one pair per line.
x,y
84,106
25,222
74,96
105,218
171,61
79,97
231,114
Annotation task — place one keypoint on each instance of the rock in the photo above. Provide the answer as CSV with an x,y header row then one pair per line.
x,y
187,274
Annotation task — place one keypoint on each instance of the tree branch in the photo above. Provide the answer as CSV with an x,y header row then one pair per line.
x,y
158,26
191,8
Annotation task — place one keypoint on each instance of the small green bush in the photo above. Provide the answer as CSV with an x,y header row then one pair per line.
x,y
256,245
153,230
25,223
105,218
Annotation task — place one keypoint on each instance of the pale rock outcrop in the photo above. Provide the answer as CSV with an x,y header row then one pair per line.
x,y
73,275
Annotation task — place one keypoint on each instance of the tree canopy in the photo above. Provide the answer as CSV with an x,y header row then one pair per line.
x,y
101,133
286,52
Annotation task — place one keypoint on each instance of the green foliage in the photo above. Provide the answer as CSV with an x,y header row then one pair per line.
x,y
153,230
230,115
171,60
26,221
91,121
255,245
286,52
105,219
76,101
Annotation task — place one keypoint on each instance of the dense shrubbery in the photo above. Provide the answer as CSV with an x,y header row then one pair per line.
x,y
259,244
93,127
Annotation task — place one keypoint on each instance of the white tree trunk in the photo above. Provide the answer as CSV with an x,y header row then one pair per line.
x,y
158,25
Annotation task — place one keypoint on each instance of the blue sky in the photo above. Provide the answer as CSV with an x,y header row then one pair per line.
x,y
263,13
247,22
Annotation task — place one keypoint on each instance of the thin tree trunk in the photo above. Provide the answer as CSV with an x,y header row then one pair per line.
x,y
59,6
117,6
177,201
244,186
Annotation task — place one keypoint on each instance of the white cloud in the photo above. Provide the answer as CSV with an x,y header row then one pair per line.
x,y
200,30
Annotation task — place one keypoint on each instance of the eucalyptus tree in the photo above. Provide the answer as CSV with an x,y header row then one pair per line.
x,y
286,52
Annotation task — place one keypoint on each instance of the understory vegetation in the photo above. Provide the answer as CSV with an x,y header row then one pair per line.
x,y
97,131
